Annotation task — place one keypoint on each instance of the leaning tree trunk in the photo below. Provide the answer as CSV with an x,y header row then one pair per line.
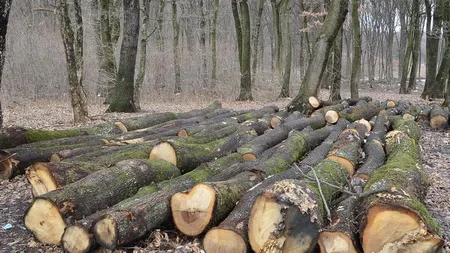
x,y
356,62
73,45
124,89
318,62
5,7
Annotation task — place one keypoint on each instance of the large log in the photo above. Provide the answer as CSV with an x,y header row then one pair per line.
x,y
287,217
397,219
186,156
257,113
208,203
365,111
49,213
438,117
317,103
130,124
278,118
251,150
230,235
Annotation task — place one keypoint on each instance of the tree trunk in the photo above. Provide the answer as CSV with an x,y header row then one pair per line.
x,y
214,45
277,34
176,48
255,40
415,56
124,89
356,62
310,84
335,91
246,77
442,75
203,45
287,51
5,7
73,45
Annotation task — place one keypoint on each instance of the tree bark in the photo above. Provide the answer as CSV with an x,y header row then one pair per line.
x,y
310,84
124,88
5,7
335,91
356,62
287,51
246,77
256,41
214,45
203,45
176,48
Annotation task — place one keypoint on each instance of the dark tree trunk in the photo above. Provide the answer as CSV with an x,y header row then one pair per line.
x,y
287,50
356,63
246,77
5,7
124,89
176,48
335,92
255,39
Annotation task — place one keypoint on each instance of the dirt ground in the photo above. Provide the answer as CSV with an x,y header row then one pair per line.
x,y
15,195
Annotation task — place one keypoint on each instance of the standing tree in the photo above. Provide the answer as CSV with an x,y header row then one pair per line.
x,y
333,23
73,45
287,51
176,48
214,45
335,91
5,7
203,44
255,40
242,26
124,89
356,63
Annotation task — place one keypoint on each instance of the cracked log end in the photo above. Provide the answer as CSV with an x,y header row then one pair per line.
x,y
45,222
41,179
391,229
164,151
7,165
273,228
182,133
105,232
336,242
332,116
314,102
76,239
121,127
224,241
192,211
248,157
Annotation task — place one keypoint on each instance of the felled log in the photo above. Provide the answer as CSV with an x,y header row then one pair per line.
x,y
424,115
186,156
257,113
231,234
251,150
366,111
205,127
438,117
45,177
317,103
278,118
397,220
97,191
331,112
287,217
130,124
412,113
398,109
207,203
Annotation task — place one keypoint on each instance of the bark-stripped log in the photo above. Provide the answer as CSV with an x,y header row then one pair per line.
x,y
438,117
397,220
251,150
130,124
366,111
186,156
97,191
208,203
230,235
288,215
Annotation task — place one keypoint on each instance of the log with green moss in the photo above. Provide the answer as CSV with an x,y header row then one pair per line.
x,y
186,156
438,117
366,111
251,150
256,113
49,213
331,112
412,113
397,219
45,177
208,203
206,127
231,234
131,124
317,103
289,214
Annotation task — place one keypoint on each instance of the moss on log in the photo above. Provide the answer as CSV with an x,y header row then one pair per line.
x,y
397,219
366,111
97,191
257,113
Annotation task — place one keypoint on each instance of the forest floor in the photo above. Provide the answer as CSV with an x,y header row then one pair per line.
x,y
15,195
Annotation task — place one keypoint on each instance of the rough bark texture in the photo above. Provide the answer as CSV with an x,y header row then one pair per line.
x,y
246,75
5,7
95,192
124,89
438,117
318,62
366,111
356,62
176,48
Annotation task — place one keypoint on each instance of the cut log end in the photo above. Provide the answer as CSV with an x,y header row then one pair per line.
x,y
7,165
275,121
44,220
121,127
105,232
55,158
314,102
224,241
393,229
335,242
165,152
41,179
248,157
76,239
192,211
182,133
346,163
390,103
438,121
332,116
366,124
408,116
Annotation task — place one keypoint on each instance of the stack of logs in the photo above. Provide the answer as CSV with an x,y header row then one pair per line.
x,y
345,177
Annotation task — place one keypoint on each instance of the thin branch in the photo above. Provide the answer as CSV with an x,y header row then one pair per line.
x,y
321,195
45,9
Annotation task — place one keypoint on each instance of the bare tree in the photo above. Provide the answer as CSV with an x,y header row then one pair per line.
x,y
356,63
73,44
287,51
335,91
214,44
255,39
5,7
124,89
333,22
176,49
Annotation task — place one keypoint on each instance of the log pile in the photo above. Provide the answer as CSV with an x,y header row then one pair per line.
x,y
345,177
